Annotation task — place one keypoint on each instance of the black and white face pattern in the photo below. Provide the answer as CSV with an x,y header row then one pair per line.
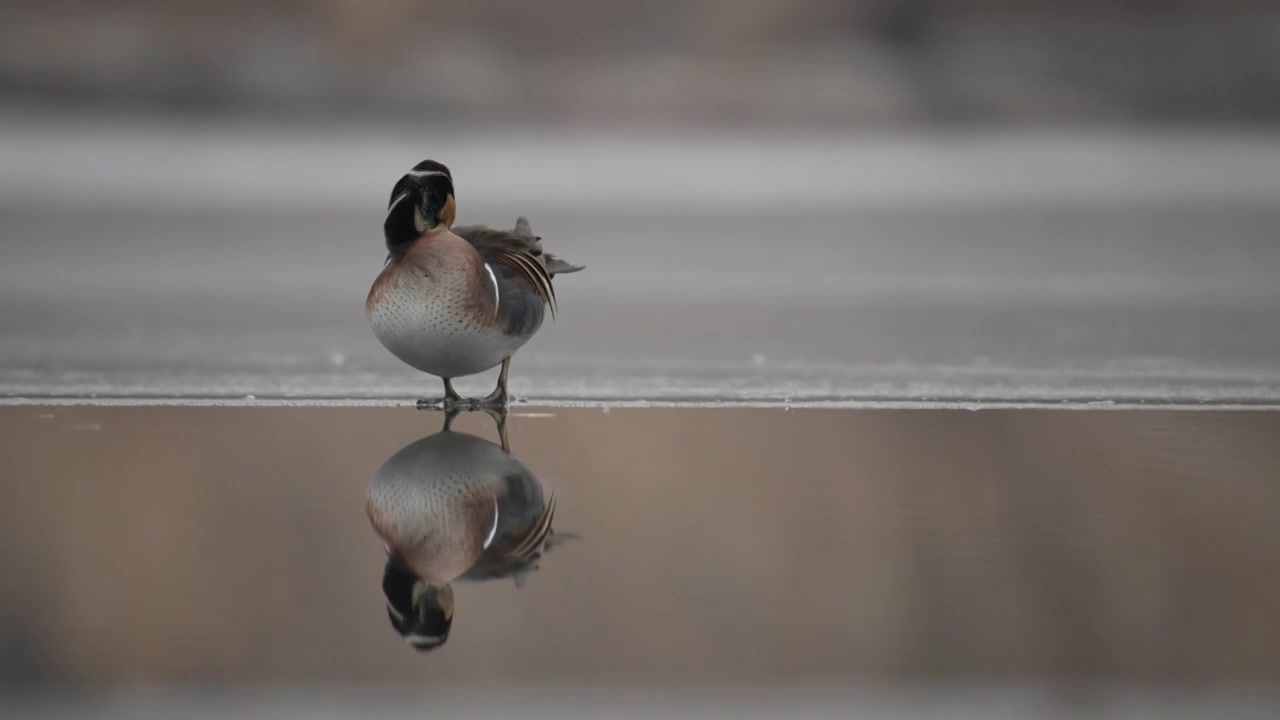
x,y
421,614
430,166
420,171
419,201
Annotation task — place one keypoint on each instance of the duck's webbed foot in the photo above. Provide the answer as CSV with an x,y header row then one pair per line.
x,y
451,402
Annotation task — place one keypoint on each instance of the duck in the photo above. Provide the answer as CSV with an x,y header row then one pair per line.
x,y
454,507
457,301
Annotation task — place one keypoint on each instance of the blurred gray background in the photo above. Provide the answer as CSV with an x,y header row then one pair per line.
x,y
799,63
892,201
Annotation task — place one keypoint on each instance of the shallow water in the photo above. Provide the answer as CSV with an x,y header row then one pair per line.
x,y
737,562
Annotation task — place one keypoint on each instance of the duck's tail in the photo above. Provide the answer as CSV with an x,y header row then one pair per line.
x,y
557,266
553,264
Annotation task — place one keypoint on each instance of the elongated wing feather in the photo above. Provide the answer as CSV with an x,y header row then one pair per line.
x,y
517,556
533,542
520,250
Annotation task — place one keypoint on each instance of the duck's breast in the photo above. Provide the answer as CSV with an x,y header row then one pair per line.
x,y
435,310
436,502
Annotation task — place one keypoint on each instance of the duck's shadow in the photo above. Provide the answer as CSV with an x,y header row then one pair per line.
x,y
455,507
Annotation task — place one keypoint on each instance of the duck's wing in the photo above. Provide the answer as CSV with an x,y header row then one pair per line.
x,y
521,251
517,555
530,547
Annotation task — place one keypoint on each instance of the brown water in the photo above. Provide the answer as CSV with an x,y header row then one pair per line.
x,y
729,554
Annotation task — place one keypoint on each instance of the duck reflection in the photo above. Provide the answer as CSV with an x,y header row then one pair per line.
x,y
454,506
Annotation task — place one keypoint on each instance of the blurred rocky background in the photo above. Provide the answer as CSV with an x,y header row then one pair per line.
x,y
722,62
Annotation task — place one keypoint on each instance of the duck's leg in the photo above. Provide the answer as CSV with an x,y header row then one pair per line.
x,y
499,395
450,400
500,419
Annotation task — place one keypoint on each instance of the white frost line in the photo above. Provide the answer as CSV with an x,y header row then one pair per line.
x,y
1269,404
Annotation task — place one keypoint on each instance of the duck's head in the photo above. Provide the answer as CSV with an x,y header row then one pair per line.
x,y
420,611
421,200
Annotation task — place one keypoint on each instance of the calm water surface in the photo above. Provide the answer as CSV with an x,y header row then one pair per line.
x,y
233,562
